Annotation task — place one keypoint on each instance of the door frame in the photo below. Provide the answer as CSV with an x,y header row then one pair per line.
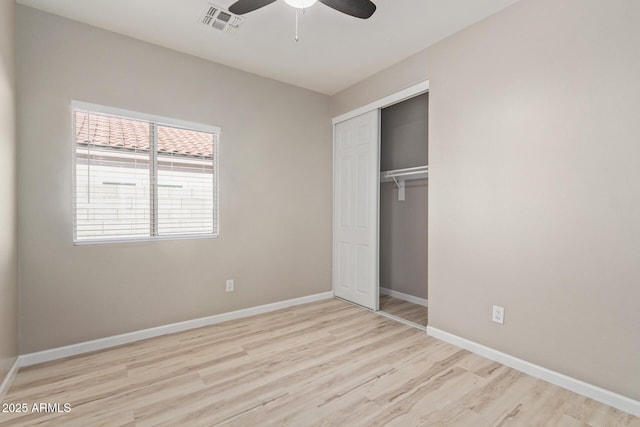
x,y
387,101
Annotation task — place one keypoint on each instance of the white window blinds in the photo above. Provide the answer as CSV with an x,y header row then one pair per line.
x,y
140,178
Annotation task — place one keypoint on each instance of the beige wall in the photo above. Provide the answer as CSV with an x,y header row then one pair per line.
x,y
393,79
8,201
403,238
275,188
534,189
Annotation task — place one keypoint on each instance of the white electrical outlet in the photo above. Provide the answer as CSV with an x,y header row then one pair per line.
x,y
229,285
498,314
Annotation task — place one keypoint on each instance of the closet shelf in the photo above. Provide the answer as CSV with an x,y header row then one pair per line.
x,y
395,175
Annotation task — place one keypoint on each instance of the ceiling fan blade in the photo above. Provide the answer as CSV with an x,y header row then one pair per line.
x,y
245,6
358,8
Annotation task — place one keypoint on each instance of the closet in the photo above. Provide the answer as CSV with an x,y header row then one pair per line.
x,y
403,209
380,206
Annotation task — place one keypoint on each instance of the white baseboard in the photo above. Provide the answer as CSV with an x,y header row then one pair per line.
x,y
103,343
405,297
8,379
596,393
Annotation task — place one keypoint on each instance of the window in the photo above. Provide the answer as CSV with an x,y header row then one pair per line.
x,y
142,177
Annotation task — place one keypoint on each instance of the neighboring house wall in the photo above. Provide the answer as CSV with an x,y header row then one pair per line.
x,y
8,197
403,224
275,188
534,187
182,203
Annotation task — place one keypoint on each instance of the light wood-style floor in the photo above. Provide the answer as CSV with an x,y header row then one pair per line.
x,y
325,363
407,310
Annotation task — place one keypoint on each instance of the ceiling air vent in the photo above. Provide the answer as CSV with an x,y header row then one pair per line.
x,y
220,19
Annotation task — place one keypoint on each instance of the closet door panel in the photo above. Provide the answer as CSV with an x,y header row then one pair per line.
x,y
362,270
362,204
344,192
355,250
344,250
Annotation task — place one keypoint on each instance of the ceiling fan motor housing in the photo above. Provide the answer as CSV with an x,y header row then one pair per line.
x,y
362,9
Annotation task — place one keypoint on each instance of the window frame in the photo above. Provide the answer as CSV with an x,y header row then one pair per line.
x,y
156,121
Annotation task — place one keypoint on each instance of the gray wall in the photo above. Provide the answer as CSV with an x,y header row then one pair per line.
x,y
275,188
534,188
403,224
8,197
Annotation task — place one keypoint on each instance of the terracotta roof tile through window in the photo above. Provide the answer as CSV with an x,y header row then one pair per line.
x,y
112,131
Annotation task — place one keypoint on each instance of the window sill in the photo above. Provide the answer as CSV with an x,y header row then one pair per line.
x,y
145,239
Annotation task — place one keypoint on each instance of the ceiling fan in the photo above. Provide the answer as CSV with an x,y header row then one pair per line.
x,y
362,9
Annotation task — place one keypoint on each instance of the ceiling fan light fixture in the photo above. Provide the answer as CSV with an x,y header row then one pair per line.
x,y
300,4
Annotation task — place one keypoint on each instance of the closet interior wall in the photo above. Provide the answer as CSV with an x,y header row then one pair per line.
x,y
403,224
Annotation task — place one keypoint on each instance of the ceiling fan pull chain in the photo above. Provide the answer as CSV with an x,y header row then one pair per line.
x,y
297,26
302,11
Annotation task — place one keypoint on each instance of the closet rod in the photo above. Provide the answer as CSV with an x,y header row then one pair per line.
x,y
406,173
399,176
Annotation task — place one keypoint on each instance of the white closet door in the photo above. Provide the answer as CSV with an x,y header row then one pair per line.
x,y
355,210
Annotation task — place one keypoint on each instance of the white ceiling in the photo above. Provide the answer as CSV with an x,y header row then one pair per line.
x,y
334,51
